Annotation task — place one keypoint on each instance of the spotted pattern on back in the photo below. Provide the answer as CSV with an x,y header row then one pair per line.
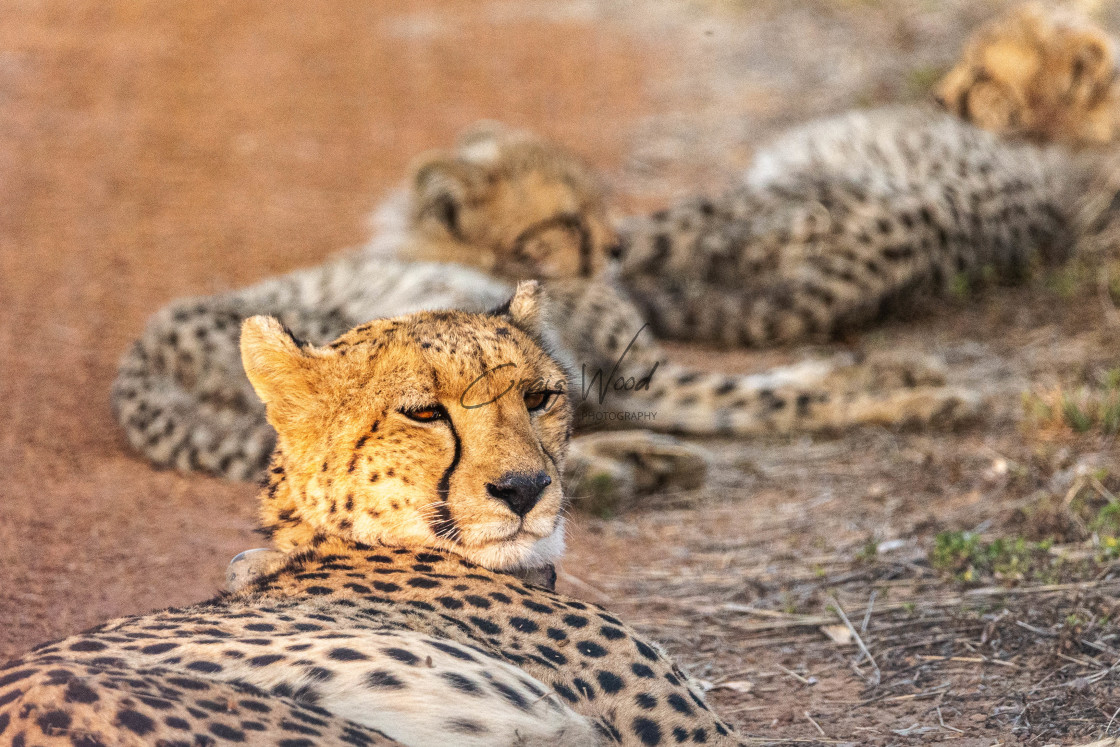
x,y
842,218
87,704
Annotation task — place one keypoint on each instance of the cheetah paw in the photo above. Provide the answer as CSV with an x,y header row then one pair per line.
x,y
920,406
882,370
609,469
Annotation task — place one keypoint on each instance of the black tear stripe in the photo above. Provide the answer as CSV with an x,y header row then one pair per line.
x,y
585,250
963,107
442,524
548,454
555,466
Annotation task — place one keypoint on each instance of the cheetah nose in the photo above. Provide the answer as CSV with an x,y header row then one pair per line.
x,y
519,491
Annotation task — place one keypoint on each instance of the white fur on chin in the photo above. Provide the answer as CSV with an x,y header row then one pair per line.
x,y
523,552
517,554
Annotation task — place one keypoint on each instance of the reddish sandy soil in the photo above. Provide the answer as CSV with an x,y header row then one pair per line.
x,y
164,149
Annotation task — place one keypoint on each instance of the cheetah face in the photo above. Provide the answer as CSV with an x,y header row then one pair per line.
x,y
1036,74
513,205
444,429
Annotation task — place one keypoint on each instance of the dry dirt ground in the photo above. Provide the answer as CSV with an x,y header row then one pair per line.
x,y
156,149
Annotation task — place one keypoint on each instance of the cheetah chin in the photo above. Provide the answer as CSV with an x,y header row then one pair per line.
x,y
520,550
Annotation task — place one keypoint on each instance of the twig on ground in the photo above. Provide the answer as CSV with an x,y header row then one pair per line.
x,y
969,660
814,723
1036,631
859,641
1102,648
944,725
867,615
795,675
1108,727
1104,492
939,690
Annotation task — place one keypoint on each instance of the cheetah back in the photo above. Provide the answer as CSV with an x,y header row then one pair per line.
x,y
839,219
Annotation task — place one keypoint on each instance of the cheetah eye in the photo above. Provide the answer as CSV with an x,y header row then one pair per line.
x,y
539,400
426,414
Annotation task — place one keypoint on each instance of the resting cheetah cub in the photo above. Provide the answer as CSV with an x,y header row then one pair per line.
x,y
511,206
1050,76
418,458
842,218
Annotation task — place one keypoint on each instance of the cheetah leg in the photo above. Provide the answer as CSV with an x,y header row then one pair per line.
x,y
895,388
892,369
811,396
942,407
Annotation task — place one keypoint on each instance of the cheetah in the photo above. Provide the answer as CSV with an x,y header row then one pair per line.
x,y
503,206
404,509
842,219
1048,75
1037,73
838,221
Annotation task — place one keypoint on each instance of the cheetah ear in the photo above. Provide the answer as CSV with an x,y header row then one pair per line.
x,y
279,369
441,185
527,308
482,142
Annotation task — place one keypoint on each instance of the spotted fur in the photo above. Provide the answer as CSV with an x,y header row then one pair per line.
x,y
840,220
843,218
398,506
56,700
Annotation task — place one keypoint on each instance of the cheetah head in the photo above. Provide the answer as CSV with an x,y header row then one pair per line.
x,y
1039,74
437,429
511,204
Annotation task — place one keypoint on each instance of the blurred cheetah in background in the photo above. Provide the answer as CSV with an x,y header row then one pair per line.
x,y
839,220
510,205
1039,73
835,222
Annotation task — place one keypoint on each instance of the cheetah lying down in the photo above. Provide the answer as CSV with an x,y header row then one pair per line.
x,y
393,615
